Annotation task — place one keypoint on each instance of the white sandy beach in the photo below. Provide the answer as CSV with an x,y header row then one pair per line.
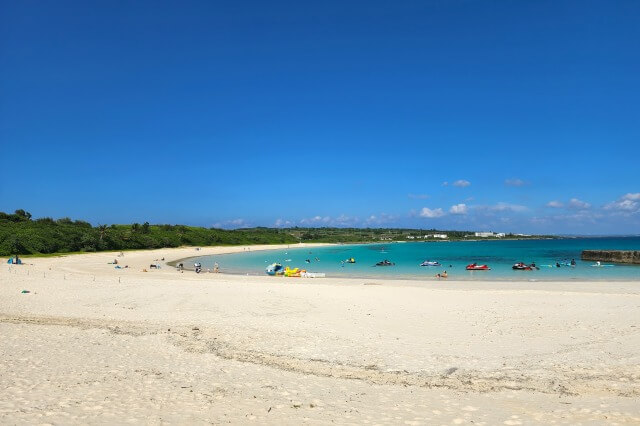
x,y
95,344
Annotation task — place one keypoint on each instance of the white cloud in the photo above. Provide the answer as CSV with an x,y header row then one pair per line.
x,y
555,204
461,183
577,204
514,182
431,213
445,183
418,196
458,209
627,205
632,196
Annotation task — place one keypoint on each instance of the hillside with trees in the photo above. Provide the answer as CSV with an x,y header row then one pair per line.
x,y
21,234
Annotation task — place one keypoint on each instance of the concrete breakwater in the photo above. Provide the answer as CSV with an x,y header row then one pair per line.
x,y
620,256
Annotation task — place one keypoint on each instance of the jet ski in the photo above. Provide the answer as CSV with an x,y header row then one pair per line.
x,y
385,263
475,267
600,265
520,266
430,263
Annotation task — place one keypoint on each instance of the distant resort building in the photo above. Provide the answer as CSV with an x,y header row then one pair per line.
x,y
484,234
490,234
441,236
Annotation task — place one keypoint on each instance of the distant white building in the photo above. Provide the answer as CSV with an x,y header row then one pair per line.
x,y
485,234
410,237
501,235
442,236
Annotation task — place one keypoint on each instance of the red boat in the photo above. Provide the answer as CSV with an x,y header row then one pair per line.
x,y
476,267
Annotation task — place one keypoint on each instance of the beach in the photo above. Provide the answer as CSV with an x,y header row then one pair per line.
x,y
93,344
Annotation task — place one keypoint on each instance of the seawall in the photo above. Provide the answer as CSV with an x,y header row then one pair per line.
x,y
620,256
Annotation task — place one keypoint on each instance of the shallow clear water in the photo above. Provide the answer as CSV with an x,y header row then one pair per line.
x,y
454,256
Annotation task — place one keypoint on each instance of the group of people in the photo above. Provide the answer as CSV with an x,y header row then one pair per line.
x,y
442,275
198,267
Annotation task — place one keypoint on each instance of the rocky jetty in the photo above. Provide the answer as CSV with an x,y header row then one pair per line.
x,y
619,256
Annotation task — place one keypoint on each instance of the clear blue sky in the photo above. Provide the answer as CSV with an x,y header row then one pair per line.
x,y
327,113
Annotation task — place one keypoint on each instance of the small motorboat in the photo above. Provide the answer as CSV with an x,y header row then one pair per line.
x,y
430,263
475,267
275,269
385,263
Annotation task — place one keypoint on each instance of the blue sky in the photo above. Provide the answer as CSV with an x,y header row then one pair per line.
x,y
504,116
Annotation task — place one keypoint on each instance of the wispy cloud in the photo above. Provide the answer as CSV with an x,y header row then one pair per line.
x,y
232,224
458,209
632,196
555,204
381,219
431,213
625,205
514,182
503,207
461,183
282,223
577,204
316,220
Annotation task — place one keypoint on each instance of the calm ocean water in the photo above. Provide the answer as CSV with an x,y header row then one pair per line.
x,y
454,256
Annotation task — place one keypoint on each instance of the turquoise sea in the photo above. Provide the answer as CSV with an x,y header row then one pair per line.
x,y
454,256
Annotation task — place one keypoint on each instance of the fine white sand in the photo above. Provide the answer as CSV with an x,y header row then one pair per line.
x,y
95,344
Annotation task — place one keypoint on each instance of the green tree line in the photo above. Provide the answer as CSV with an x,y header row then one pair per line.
x,y
21,234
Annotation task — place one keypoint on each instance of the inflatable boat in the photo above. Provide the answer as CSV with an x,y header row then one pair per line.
x,y
274,269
